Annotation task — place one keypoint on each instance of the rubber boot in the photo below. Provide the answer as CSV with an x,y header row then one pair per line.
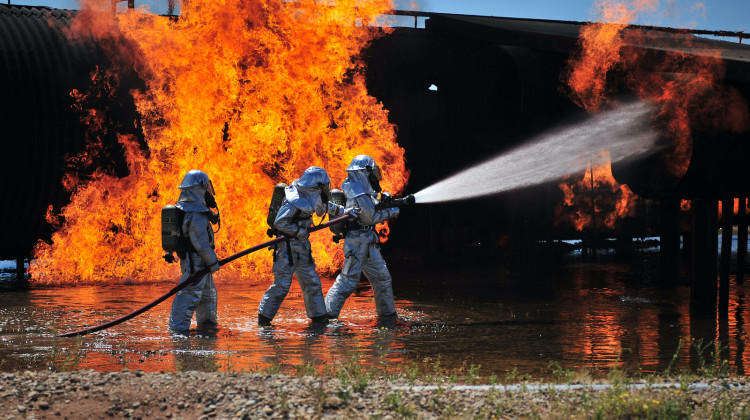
x,y
264,321
387,322
209,328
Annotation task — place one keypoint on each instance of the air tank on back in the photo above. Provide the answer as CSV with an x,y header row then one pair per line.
x,y
338,230
273,208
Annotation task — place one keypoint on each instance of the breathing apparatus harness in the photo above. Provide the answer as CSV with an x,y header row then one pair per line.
x,y
386,201
213,218
338,197
173,239
277,199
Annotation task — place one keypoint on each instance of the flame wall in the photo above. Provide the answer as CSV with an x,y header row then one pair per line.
x,y
251,93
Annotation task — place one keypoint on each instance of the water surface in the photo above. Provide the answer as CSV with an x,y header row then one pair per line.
x,y
578,315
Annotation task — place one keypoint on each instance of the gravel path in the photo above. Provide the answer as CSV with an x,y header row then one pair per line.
x,y
206,395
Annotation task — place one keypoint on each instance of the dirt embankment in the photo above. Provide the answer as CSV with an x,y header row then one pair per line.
x,y
195,395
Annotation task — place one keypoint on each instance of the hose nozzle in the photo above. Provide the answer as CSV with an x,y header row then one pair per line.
x,y
409,199
395,202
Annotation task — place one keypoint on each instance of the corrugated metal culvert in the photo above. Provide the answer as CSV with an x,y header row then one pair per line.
x,y
39,67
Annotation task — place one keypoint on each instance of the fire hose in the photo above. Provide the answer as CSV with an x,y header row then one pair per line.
x,y
196,277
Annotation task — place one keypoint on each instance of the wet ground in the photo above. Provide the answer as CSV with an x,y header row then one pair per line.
x,y
581,314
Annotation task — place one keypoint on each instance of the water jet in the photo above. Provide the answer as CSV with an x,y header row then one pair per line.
x,y
618,135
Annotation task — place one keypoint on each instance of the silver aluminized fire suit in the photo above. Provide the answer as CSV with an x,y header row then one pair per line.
x,y
362,245
199,297
302,199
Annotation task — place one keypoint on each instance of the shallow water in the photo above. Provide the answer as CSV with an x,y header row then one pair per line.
x,y
577,315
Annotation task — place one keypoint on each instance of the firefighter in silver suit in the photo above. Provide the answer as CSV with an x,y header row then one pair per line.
x,y
196,196
307,195
361,243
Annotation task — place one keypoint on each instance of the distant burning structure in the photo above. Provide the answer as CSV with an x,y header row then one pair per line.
x,y
688,89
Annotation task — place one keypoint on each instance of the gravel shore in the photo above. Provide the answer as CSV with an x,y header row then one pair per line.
x,y
205,395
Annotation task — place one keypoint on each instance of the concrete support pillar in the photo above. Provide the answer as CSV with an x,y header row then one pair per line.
x,y
703,256
741,238
669,243
21,281
727,213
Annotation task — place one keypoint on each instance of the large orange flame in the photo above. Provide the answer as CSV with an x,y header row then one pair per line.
x,y
594,199
687,88
601,49
252,93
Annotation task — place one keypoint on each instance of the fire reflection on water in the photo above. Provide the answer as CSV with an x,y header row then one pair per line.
x,y
613,336
582,316
736,333
143,342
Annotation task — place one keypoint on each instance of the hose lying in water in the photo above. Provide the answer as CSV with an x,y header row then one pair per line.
x,y
196,278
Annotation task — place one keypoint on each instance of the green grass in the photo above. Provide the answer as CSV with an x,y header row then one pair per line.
x,y
353,379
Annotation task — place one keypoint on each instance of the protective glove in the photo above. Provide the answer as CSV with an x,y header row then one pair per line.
x,y
303,233
352,211
393,212
214,267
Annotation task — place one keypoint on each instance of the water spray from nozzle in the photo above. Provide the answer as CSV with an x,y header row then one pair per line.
x,y
618,135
